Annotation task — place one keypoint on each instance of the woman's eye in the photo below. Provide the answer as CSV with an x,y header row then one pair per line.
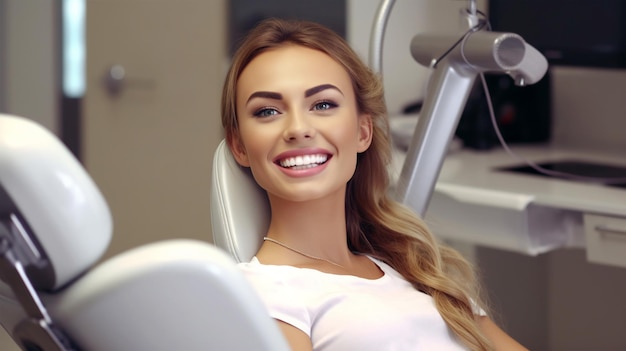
x,y
265,112
324,105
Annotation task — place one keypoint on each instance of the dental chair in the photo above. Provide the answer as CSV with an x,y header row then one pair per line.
x,y
56,295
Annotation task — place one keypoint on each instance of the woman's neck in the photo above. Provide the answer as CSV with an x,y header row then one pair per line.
x,y
317,225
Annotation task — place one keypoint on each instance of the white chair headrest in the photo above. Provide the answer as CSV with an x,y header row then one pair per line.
x,y
240,210
49,189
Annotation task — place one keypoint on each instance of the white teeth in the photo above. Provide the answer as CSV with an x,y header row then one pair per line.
x,y
306,161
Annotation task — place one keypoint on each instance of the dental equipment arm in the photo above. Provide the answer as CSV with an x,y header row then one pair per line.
x,y
455,65
377,37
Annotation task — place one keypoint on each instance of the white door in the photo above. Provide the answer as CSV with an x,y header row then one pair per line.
x,y
149,147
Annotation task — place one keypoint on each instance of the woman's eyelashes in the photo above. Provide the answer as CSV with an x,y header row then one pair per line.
x,y
265,112
319,105
324,105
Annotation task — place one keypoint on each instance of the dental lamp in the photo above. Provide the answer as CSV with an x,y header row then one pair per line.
x,y
456,59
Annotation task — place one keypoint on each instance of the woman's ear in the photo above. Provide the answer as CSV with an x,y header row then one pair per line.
x,y
238,150
366,131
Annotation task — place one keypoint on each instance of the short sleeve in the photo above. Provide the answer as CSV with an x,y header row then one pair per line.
x,y
278,295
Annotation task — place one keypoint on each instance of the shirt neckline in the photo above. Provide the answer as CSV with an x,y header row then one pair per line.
x,y
384,268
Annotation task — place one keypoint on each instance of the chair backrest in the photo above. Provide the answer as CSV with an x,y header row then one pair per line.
x,y
54,227
169,295
240,210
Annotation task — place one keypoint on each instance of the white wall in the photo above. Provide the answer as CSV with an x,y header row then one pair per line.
x,y
590,109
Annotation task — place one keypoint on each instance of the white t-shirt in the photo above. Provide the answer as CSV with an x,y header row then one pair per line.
x,y
345,312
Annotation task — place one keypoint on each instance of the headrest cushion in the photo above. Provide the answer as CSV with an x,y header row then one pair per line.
x,y
55,196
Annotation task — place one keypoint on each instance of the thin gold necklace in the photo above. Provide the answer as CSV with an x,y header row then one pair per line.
x,y
301,253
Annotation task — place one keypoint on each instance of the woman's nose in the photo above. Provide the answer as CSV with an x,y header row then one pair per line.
x,y
298,127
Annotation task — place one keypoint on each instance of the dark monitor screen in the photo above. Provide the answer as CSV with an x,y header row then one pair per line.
x,y
567,32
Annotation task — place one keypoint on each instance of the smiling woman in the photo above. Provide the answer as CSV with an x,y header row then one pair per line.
x,y
296,104
343,266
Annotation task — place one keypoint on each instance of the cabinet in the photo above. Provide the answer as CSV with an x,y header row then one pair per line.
x,y
606,239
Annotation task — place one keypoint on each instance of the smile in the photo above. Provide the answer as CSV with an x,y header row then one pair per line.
x,y
303,162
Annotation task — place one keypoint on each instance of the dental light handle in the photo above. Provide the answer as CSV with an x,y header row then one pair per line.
x,y
455,68
483,51
532,68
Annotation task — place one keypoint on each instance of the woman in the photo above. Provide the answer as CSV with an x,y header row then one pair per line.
x,y
343,266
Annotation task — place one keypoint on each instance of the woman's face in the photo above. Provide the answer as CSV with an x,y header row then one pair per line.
x,y
300,130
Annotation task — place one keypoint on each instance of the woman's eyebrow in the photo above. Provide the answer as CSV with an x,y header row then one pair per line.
x,y
265,94
317,89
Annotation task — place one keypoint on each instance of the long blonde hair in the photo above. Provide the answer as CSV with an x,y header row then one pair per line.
x,y
377,225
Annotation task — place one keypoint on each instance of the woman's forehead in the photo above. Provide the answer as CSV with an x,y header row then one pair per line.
x,y
291,66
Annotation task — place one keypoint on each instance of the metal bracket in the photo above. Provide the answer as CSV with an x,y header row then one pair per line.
x,y
17,251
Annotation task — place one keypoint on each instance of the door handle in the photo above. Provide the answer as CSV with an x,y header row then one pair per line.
x,y
116,80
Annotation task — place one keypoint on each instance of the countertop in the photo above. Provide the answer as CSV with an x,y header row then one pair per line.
x,y
475,202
